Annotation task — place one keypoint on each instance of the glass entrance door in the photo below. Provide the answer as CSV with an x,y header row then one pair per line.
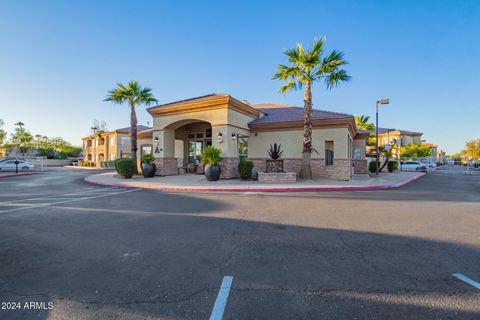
x,y
196,143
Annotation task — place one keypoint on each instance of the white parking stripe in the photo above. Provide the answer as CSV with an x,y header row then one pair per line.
x,y
63,194
467,280
66,201
221,302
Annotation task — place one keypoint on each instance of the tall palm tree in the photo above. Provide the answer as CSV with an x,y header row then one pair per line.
x,y
132,94
307,67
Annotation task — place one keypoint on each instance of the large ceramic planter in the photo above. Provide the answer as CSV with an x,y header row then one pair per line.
x,y
274,166
212,172
148,170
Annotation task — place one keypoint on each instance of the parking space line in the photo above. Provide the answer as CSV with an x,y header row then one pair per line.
x,y
64,194
221,302
463,278
65,201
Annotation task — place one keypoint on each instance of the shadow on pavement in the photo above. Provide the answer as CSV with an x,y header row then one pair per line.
x,y
94,265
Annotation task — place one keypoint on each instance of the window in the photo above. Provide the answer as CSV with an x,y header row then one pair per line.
x,y
328,153
242,147
112,156
208,132
112,141
125,140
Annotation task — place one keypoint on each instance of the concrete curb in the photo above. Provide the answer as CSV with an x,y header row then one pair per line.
x,y
9,175
260,189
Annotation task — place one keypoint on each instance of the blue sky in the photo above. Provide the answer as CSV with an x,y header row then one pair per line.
x,y
59,58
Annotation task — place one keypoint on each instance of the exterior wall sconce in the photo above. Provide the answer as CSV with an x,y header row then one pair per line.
x,y
220,137
234,136
155,140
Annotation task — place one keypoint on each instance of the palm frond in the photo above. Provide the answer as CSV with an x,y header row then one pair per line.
x,y
335,77
308,66
132,93
293,55
289,86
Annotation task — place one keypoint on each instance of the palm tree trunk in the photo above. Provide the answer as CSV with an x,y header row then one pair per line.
x,y
133,135
306,170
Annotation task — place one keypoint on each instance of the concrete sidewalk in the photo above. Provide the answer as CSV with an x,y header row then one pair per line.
x,y
198,183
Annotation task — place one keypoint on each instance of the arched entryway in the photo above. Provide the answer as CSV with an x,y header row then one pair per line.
x,y
191,137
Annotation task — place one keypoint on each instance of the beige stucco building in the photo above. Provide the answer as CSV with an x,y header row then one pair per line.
x,y
111,145
241,130
398,138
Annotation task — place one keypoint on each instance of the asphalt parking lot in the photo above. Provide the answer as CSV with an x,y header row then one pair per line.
x,y
82,251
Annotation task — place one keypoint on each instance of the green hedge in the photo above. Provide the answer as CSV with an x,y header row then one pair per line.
x,y
125,167
108,164
372,166
392,166
245,169
86,164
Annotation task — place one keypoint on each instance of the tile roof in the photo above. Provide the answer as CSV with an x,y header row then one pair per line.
x,y
199,98
406,132
282,113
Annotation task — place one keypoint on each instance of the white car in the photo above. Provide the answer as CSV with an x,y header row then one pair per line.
x,y
412,166
430,165
9,165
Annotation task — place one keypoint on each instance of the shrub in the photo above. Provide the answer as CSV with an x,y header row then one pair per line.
x,y
245,169
392,166
86,164
211,155
148,158
275,152
372,166
115,164
125,167
108,164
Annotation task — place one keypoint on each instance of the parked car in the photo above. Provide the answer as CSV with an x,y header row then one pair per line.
x,y
430,165
9,165
413,165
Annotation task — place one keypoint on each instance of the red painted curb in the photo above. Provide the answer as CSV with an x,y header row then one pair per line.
x,y
8,175
269,189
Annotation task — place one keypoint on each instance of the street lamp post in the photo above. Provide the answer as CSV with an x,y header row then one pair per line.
x,y
381,101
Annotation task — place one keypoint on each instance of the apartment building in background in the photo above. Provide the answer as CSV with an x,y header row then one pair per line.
x,y
111,145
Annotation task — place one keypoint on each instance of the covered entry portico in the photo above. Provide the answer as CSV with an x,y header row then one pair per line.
x,y
182,129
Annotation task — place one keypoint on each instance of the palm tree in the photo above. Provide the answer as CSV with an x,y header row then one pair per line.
x,y
134,95
363,123
20,125
307,67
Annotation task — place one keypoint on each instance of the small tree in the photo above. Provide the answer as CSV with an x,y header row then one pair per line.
x,y
415,151
3,134
472,149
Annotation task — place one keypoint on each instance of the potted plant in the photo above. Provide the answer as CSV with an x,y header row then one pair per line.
x,y
148,166
274,164
211,159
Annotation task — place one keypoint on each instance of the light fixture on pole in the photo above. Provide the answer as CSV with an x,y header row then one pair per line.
x,y
381,101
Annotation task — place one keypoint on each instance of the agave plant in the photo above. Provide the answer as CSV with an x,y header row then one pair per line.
x,y
275,152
